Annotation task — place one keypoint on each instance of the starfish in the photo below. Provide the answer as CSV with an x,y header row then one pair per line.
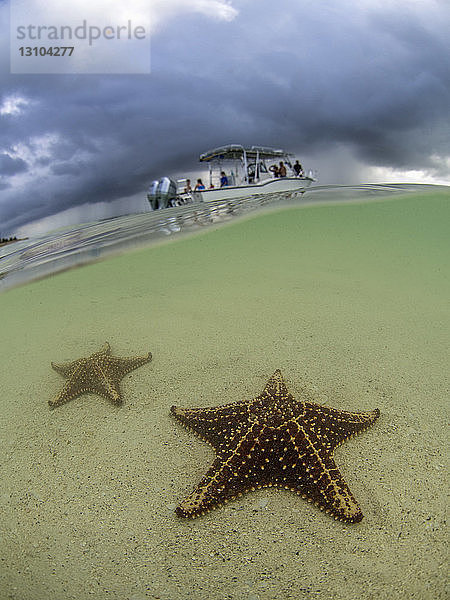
x,y
100,373
274,440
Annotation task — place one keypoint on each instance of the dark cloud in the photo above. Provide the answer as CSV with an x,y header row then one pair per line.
x,y
315,78
11,166
68,168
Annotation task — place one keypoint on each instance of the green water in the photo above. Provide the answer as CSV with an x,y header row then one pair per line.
x,y
282,278
349,301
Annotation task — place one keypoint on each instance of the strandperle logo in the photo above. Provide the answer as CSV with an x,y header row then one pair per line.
x,y
84,31
65,41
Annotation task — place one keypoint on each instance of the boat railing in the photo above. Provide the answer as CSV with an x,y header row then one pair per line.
x,y
233,180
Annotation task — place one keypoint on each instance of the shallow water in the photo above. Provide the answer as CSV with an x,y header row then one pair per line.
x,y
64,248
350,301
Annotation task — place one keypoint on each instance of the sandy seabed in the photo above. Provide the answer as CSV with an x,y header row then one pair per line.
x,y
349,301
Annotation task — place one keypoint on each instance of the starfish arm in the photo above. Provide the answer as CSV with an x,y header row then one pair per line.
x,y
66,369
336,426
105,384
74,384
276,387
306,466
66,394
320,482
231,474
105,350
212,491
214,425
122,366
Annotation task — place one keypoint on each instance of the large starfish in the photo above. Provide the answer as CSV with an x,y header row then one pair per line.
x,y
99,374
274,440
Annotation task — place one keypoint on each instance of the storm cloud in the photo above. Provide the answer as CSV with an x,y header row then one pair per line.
x,y
348,88
11,166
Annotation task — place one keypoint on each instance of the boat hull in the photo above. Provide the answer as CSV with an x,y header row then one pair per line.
x,y
270,186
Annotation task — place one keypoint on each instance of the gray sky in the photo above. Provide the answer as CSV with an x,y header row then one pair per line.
x,y
359,91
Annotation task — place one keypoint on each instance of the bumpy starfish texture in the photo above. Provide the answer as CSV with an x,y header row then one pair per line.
x,y
99,374
274,440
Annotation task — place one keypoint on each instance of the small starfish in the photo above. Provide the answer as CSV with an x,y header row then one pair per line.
x,y
274,440
99,374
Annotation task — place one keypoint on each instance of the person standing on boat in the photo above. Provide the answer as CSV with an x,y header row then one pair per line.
x,y
223,179
274,169
199,185
188,188
298,169
282,170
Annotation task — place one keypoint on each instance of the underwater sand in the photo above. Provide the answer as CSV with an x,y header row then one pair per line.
x,y
349,301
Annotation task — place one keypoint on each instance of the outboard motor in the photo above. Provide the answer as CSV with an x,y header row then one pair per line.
x,y
151,195
161,193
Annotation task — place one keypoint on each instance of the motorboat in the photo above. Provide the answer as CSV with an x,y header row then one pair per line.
x,y
234,171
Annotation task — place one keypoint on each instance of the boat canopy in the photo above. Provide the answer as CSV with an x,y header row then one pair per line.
x,y
236,151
